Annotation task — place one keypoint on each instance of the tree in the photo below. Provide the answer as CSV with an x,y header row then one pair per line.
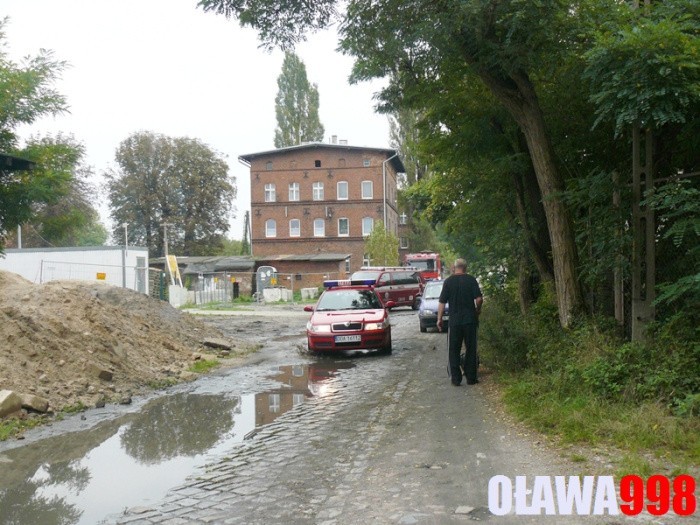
x,y
26,94
296,105
382,246
174,183
69,218
505,44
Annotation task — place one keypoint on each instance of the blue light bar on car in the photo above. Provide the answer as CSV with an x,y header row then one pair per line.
x,y
349,282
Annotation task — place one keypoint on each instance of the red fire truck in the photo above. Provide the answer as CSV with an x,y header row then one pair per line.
x,y
427,262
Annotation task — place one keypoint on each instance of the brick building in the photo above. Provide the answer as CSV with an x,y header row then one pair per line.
x,y
321,198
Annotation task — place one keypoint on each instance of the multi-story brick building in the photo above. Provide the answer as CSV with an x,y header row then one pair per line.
x,y
321,198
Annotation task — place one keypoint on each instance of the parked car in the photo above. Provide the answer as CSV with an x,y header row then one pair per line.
x,y
400,284
427,311
349,315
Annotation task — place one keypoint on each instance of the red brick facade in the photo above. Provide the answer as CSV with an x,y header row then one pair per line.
x,y
315,198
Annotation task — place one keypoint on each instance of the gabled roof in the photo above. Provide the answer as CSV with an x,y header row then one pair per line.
x,y
395,162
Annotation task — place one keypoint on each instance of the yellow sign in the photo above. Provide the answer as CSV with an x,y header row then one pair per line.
x,y
173,270
233,279
273,281
101,276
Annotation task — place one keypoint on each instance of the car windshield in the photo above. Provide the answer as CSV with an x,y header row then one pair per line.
x,y
432,290
348,300
364,274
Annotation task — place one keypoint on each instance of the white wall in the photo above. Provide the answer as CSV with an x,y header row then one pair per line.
x,y
110,264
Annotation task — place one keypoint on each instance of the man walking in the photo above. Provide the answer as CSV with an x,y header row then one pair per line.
x,y
463,294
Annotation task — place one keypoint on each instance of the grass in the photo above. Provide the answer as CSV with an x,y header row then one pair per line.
x,y
204,365
649,437
15,427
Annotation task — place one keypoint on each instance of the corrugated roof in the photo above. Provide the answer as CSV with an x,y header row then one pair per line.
x,y
312,257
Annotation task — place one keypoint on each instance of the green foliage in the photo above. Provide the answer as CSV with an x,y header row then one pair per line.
x,y
26,94
382,246
204,365
644,67
176,181
296,105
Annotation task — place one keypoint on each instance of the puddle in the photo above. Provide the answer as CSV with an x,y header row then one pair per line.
x,y
83,477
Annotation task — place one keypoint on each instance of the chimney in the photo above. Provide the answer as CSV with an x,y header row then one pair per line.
x,y
334,139
343,142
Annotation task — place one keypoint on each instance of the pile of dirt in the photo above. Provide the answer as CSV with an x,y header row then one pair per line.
x,y
58,338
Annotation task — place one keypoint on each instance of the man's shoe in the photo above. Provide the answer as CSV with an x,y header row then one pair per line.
x,y
473,382
455,383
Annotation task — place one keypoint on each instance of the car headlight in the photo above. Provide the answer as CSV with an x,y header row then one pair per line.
x,y
377,326
318,328
428,312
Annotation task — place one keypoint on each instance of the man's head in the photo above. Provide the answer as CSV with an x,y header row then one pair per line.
x,y
460,266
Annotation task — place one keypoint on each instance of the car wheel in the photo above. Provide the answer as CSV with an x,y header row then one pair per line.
x,y
423,328
386,350
416,304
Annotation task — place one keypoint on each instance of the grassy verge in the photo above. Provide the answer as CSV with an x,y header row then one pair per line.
x,y
590,389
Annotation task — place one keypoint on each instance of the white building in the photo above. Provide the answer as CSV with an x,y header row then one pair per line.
x,y
126,267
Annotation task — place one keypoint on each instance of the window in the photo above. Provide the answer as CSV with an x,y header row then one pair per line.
x,y
347,265
319,228
404,243
342,190
317,164
365,163
270,228
269,192
294,228
318,191
293,191
367,189
343,227
367,226
366,261
268,165
403,219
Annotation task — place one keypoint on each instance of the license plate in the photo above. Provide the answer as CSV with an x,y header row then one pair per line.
x,y
348,338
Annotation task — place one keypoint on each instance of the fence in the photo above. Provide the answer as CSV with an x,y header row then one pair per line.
x,y
133,277
224,287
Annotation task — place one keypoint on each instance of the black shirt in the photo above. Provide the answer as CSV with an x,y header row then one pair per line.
x,y
460,290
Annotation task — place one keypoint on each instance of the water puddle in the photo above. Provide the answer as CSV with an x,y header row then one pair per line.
x,y
82,477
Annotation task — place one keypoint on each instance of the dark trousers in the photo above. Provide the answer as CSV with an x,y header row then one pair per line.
x,y
458,334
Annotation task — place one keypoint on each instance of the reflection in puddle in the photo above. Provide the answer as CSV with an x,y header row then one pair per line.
x,y
83,477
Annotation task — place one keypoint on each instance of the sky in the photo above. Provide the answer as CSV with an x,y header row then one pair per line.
x,y
168,67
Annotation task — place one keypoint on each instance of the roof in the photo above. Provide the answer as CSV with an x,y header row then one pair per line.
x,y
11,163
395,161
309,257
212,264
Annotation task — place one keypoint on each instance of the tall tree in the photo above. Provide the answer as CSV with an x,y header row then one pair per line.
x,y
177,187
26,94
296,105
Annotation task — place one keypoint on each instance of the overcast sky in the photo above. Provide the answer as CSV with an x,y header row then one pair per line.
x,y
166,66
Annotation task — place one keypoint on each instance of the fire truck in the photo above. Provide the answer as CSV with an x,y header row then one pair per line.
x,y
427,262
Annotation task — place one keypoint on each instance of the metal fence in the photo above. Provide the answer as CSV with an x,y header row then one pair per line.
x,y
133,277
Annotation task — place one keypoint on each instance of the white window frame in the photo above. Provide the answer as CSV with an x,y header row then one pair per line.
x,y
319,232
298,228
371,189
344,183
365,233
347,222
270,228
294,192
403,243
270,192
403,218
317,191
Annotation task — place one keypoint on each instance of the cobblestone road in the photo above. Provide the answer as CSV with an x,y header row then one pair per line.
x,y
388,440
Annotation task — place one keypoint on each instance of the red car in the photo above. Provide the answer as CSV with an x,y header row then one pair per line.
x,y
349,315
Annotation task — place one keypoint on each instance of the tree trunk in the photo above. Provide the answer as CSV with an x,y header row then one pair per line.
x,y
518,96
